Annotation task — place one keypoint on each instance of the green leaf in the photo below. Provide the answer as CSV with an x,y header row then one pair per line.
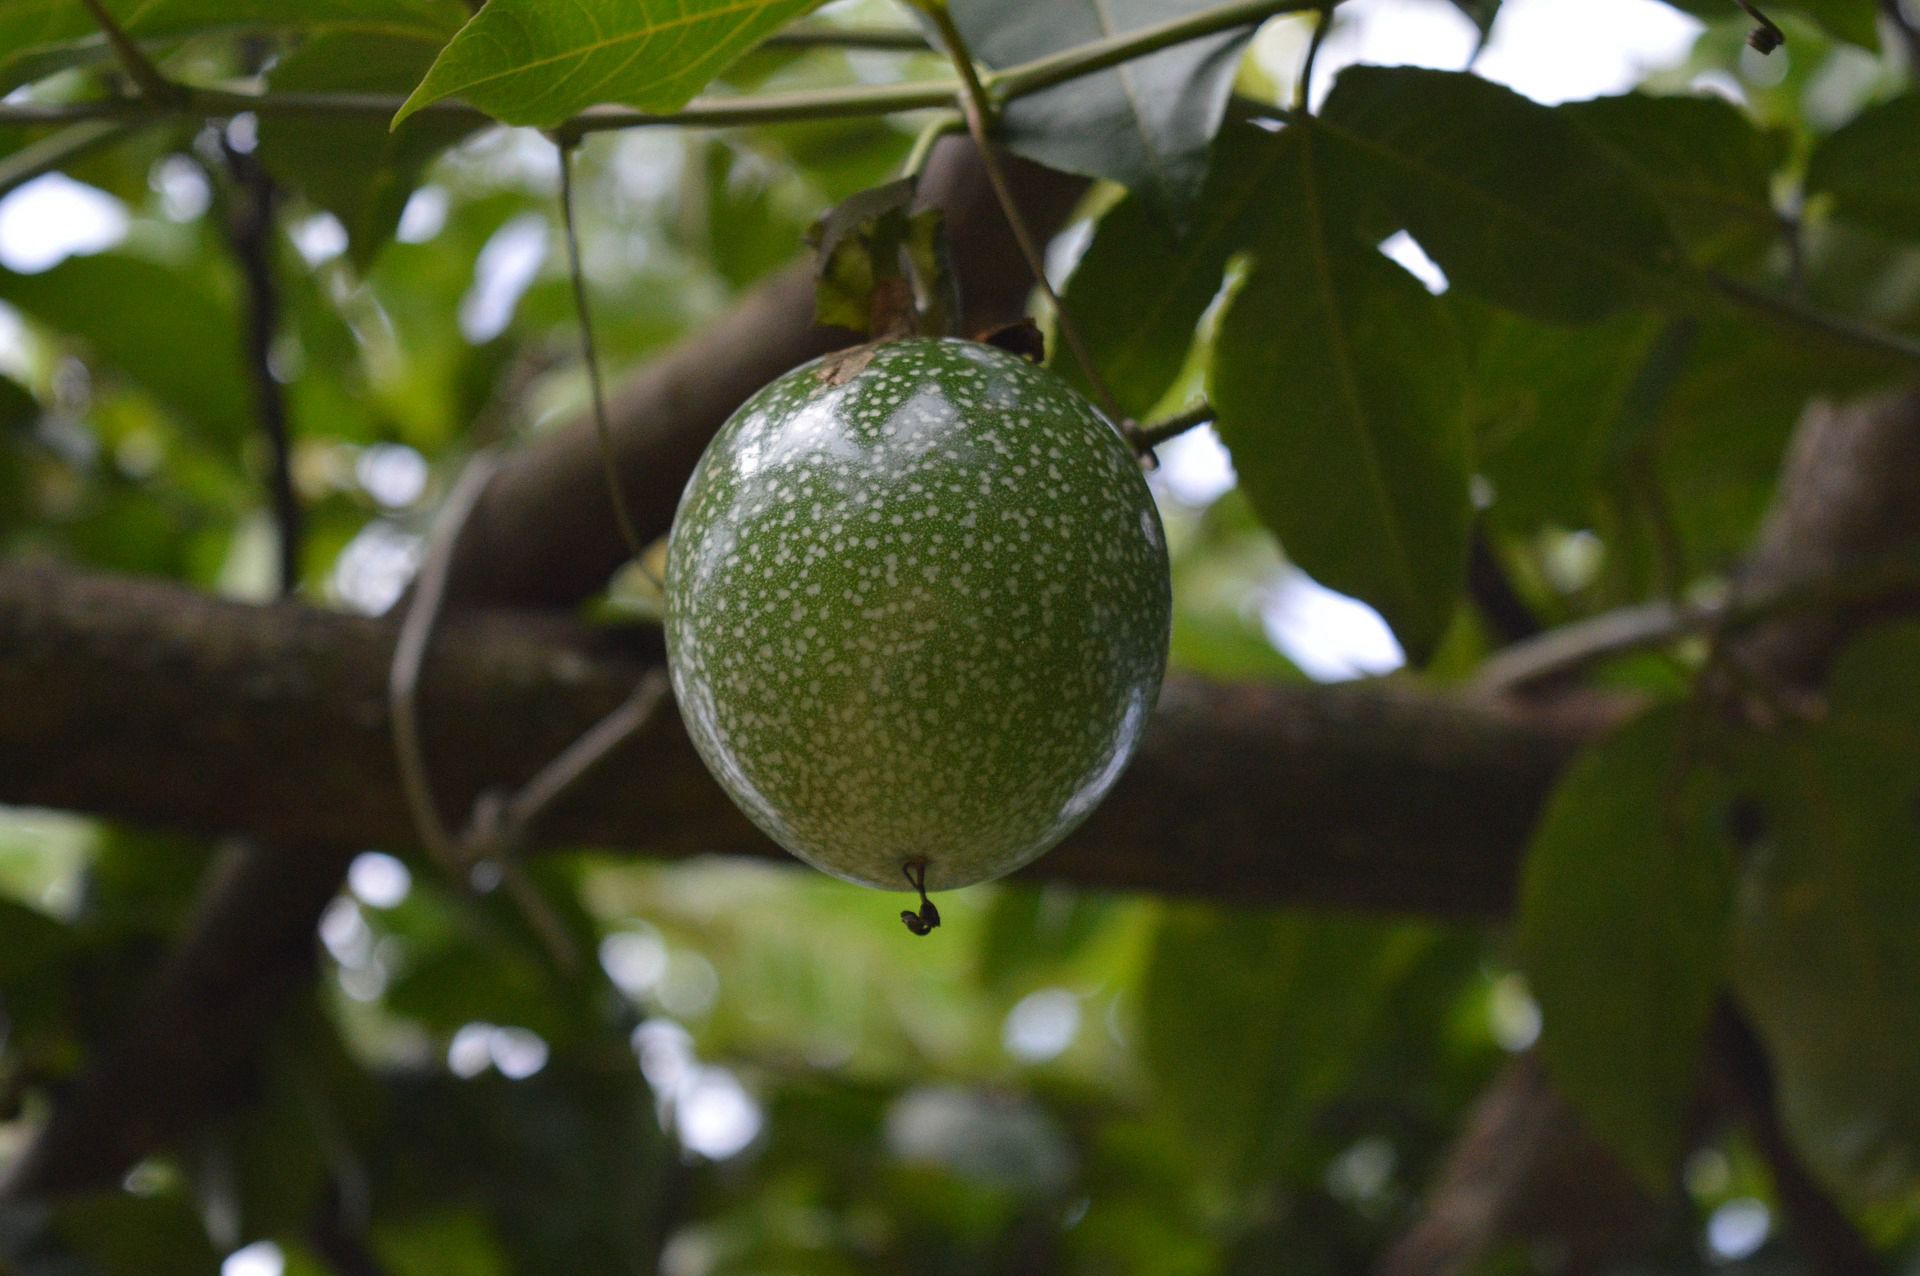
x,y
355,167
1703,159
535,62
1139,290
169,331
1250,1021
1870,168
1554,406
1851,20
1145,124
1827,956
33,33
1624,902
1512,200
1339,389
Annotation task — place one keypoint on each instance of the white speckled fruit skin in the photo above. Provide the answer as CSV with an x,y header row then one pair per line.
x,y
921,613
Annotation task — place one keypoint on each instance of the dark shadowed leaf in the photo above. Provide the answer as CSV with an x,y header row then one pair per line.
x,y
1250,1021
534,62
1145,125
1545,222
355,167
1339,388
1623,923
1554,405
1871,168
1139,290
1704,160
1827,956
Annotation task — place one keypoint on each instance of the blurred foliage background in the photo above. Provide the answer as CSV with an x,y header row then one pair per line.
x,y
756,1078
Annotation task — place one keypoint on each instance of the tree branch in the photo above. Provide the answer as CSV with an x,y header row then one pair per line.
x,y
148,702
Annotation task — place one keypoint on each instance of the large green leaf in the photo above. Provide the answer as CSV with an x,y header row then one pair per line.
x,y
1623,922
1250,1021
1827,956
1339,388
355,167
1871,168
170,331
1512,200
1145,124
1139,290
31,30
535,62
1706,162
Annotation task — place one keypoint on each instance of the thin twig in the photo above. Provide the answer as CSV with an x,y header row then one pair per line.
x,y
978,111
507,823
1568,649
1784,309
1765,36
250,230
60,149
867,39
1148,437
1303,91
152,84
576,274
409,654
938,127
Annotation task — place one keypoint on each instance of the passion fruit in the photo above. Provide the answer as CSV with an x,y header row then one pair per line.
x,y
917,611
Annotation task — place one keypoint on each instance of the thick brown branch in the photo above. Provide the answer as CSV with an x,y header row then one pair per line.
x,y
152,703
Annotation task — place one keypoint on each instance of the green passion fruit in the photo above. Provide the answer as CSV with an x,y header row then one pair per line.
x,y
917,611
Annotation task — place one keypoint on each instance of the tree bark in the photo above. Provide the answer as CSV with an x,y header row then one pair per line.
x,y
151,703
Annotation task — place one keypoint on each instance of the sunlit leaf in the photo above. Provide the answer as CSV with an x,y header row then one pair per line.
x,y
533,62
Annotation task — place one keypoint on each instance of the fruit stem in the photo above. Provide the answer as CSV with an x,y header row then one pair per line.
x,y
928,917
